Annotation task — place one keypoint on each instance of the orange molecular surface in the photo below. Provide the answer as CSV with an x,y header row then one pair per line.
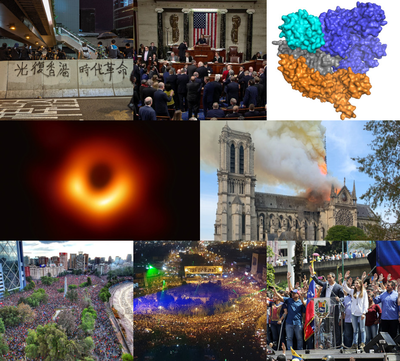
x,y
336,88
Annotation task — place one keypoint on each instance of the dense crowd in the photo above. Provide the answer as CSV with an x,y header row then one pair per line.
x,y
155,326
359,310
25,52
104,336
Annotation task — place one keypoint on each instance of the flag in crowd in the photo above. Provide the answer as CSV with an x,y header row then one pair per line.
x,y
388,258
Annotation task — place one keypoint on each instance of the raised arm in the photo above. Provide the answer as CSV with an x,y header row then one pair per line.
x,y
289,276
315,278
280,298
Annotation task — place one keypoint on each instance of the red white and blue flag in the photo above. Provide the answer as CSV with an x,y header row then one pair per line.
x,y
309,321
388,258
205,23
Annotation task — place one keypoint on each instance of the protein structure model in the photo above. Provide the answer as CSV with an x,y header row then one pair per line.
x,y
327,57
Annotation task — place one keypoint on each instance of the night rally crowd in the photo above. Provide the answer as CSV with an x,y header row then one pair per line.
x,y
365,306
104,336
225,332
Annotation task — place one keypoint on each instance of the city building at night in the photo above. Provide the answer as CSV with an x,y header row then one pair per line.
x,y
67,13
12,271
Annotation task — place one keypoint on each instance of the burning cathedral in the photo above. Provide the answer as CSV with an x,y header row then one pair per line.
x,y
244,214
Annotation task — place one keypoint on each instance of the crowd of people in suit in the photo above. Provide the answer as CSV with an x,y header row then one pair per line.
x,y
168,88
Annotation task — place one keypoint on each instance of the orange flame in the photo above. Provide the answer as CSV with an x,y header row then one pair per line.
x,y
323,169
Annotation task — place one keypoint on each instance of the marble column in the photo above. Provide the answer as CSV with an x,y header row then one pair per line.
x,y
222,35
249,41
186,25
160,33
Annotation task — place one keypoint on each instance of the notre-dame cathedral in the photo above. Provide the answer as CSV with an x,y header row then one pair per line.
x,y
244,214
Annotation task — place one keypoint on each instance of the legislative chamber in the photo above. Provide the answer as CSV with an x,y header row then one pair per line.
x,y
226,37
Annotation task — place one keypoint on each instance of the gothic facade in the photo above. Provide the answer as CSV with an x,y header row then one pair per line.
x,y
244,214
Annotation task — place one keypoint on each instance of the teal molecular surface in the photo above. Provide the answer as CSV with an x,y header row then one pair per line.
x,y
302,30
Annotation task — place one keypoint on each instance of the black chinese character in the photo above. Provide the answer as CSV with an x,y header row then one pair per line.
x,y
97,68
50,69
123,70
110,69
37,67
84,69
64,70
21,69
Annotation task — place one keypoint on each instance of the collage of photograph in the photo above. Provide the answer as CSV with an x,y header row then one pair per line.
x,y
253,237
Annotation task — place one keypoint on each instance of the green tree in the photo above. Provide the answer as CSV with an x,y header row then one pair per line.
x,y
343,233
105,294
51,343
127,357
87,324
72,287
87,346
383,165
6,293
28,279
89,281
10,316
48,274
270,268
2,328
3,347
90,310
72,295
21,300
61,290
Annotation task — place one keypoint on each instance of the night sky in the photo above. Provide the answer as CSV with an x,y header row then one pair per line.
x,y
104,13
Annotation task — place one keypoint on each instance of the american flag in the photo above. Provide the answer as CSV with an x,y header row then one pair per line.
x,y
205,23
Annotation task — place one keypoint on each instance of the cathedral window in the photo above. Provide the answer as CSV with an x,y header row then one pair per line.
x,y
241,160
232,159
243,223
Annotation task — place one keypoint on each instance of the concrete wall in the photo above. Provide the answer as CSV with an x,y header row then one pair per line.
x,y
356,267
147,22
65,78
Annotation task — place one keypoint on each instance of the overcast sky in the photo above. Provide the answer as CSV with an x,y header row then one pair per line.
x,y
93,248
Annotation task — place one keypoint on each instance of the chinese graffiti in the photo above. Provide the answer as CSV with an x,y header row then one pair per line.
x,y
60,69
39,67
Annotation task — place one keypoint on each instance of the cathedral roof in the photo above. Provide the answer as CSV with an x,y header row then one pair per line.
x,y
278,201
364,211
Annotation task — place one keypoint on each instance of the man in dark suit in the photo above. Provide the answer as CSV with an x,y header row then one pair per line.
x,y
335,292
217,88
172,79
193,97
191,68
208,95
235,113
217,58
215,112
202,70
241,73
182,49
153,50
252,112
136,73
233,103
260,92
209,70
147,112
148,92
161,99
164,67
202,40
182,80
146,55
232,90
198,80
245,81
251,94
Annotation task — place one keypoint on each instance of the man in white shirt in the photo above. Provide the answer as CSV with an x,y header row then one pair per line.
x,y
346,256
146,54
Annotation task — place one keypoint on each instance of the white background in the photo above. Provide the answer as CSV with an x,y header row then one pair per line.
x,y
285,103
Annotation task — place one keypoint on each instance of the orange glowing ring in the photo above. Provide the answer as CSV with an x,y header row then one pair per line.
x,y
73,188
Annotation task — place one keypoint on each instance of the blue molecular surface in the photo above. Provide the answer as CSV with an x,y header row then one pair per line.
x,y
352,34
362,54
302,30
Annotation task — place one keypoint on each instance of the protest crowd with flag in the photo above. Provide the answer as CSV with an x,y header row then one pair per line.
x,y
379,289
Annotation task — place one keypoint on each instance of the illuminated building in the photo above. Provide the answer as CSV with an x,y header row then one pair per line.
x,y
64,260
